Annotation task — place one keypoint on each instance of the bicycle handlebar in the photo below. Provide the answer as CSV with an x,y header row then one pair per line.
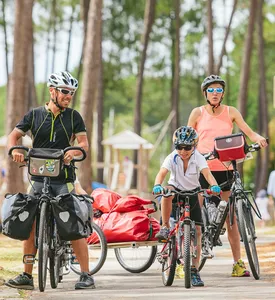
x,y
64,151
168,193
79,149
251,148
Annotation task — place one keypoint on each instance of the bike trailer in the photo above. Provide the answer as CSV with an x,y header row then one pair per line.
x,y
18,214
230,147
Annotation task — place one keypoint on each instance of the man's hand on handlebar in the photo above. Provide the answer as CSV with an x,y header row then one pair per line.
x,y
68,157
17,156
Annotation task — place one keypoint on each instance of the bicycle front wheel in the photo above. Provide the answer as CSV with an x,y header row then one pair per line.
x,y
43,247
187,255
247,231
136,259
54,257
97,252
168,257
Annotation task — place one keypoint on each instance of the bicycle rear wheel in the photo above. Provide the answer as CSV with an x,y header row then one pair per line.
x,y
136,259
168,256
97,252
247,231
187,255
43,247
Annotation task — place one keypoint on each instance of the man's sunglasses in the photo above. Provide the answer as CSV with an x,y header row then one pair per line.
x,y
212,90
184,147
66,92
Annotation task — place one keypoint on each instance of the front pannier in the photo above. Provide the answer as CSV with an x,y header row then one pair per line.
x,y
18,214
231,147
72,214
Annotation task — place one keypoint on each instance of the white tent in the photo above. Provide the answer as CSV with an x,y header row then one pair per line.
x,y
127,140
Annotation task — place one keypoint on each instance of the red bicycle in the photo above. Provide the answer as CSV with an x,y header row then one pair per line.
x,y
181,245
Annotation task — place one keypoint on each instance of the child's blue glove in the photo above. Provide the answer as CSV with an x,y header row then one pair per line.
x,y
215,189
157,189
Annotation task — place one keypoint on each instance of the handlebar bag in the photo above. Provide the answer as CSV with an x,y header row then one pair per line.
x,y
230,147
45,162
18,214
73,216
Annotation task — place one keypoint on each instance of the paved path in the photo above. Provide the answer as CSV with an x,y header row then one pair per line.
x,y
113,282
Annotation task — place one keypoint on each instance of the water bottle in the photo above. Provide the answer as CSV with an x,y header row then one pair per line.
x,y
221,208
211,211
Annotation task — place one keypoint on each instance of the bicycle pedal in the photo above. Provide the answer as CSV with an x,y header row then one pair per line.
x,y
29,259
207,255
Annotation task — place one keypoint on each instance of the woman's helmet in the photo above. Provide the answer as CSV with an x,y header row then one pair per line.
x,y
185,135
212,79
62,79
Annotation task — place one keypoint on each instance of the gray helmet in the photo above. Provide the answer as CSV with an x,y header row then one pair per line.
x,y
62,79
185,135
212,79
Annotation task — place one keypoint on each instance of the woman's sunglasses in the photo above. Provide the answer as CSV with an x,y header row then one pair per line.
x,y
65,92
184,147
212,90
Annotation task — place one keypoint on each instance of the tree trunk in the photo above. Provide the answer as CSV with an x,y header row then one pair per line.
x,y
210,38
245,70
100,101
54,35
90,80
31,99
227,31
263,156
18,86
149,16
6,40
70,38
84,9
176,69
46,75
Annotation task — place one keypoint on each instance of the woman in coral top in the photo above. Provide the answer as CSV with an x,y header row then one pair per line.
x,y
210,121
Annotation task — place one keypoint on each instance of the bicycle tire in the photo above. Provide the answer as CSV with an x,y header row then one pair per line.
x,y
205,223
43,247
97,252
54,259
247,231
187,255
133,260
169,261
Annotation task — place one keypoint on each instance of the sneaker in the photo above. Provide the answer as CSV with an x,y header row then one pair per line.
x,y
179,271
22,281
196,278
163,233
239,270
86,281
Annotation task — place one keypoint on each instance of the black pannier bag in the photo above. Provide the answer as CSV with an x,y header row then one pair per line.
x,y
18,214
45,162
72,214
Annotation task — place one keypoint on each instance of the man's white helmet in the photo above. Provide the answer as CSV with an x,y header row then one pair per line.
x,y
62,79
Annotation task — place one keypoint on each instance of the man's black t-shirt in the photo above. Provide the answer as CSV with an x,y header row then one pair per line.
x,y
56,132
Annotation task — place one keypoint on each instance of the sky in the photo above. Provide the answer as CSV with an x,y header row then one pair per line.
x,y
76,45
